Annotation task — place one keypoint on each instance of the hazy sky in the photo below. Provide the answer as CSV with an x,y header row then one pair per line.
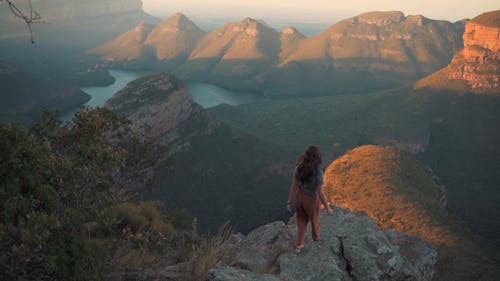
x,y
318,10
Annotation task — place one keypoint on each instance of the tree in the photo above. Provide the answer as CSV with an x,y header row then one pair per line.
x,y
29,17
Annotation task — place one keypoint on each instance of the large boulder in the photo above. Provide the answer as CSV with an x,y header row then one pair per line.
x,y
352,247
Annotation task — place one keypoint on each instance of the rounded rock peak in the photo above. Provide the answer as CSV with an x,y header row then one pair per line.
x,y
177,19
290,30
143,25
248,20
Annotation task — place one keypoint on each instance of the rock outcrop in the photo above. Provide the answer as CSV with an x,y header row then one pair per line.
x,y
155,104
398,192
476,68
352,247
382,181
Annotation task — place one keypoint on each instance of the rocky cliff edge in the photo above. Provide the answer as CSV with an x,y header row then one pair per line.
x,y
476,68
352,247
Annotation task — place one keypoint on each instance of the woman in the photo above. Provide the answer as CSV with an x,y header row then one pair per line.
x,y
306,188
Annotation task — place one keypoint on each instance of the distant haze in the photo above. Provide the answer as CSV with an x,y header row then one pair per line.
x,y
317,11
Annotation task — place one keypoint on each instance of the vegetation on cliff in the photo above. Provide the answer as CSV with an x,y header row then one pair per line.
x,y
65,211
491,19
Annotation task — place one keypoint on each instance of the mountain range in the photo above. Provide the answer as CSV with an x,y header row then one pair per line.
x,y
372,50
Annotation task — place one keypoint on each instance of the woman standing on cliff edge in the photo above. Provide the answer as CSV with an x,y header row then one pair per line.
x,y
306,188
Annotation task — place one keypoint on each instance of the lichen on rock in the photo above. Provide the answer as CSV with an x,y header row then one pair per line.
x,y
352,247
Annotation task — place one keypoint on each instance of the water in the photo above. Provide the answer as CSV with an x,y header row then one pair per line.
x,y
99,95
205,94
208,95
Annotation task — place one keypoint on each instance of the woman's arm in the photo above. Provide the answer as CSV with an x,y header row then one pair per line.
x,y
322,198
291,195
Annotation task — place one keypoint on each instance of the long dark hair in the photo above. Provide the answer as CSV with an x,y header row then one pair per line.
x,y
308,165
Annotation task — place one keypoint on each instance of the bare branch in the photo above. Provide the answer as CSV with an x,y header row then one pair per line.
x,y
29,18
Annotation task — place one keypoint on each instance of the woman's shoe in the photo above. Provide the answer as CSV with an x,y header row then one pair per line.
x,y
298,248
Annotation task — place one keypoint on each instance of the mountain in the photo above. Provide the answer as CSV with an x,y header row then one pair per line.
x,y
476,68
290,38
168,43
128,46
400,193
174,38
245,40
239,50
371,50
24,96
212,170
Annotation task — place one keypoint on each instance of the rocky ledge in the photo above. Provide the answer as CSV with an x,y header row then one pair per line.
x,y
352,247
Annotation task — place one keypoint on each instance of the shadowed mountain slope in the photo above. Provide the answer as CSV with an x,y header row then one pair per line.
x,y
214,171
24,95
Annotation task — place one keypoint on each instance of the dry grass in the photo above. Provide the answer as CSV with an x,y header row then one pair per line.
x,y
208,253
399,192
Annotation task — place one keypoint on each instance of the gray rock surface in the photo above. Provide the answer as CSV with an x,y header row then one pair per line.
x,y
155,104
224,273
352,247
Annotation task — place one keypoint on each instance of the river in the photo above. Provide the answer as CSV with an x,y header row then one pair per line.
x,y
205,94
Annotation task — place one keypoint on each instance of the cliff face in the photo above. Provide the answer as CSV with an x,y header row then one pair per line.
x,y
60,10
388,37
476,68
155,104
71,23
